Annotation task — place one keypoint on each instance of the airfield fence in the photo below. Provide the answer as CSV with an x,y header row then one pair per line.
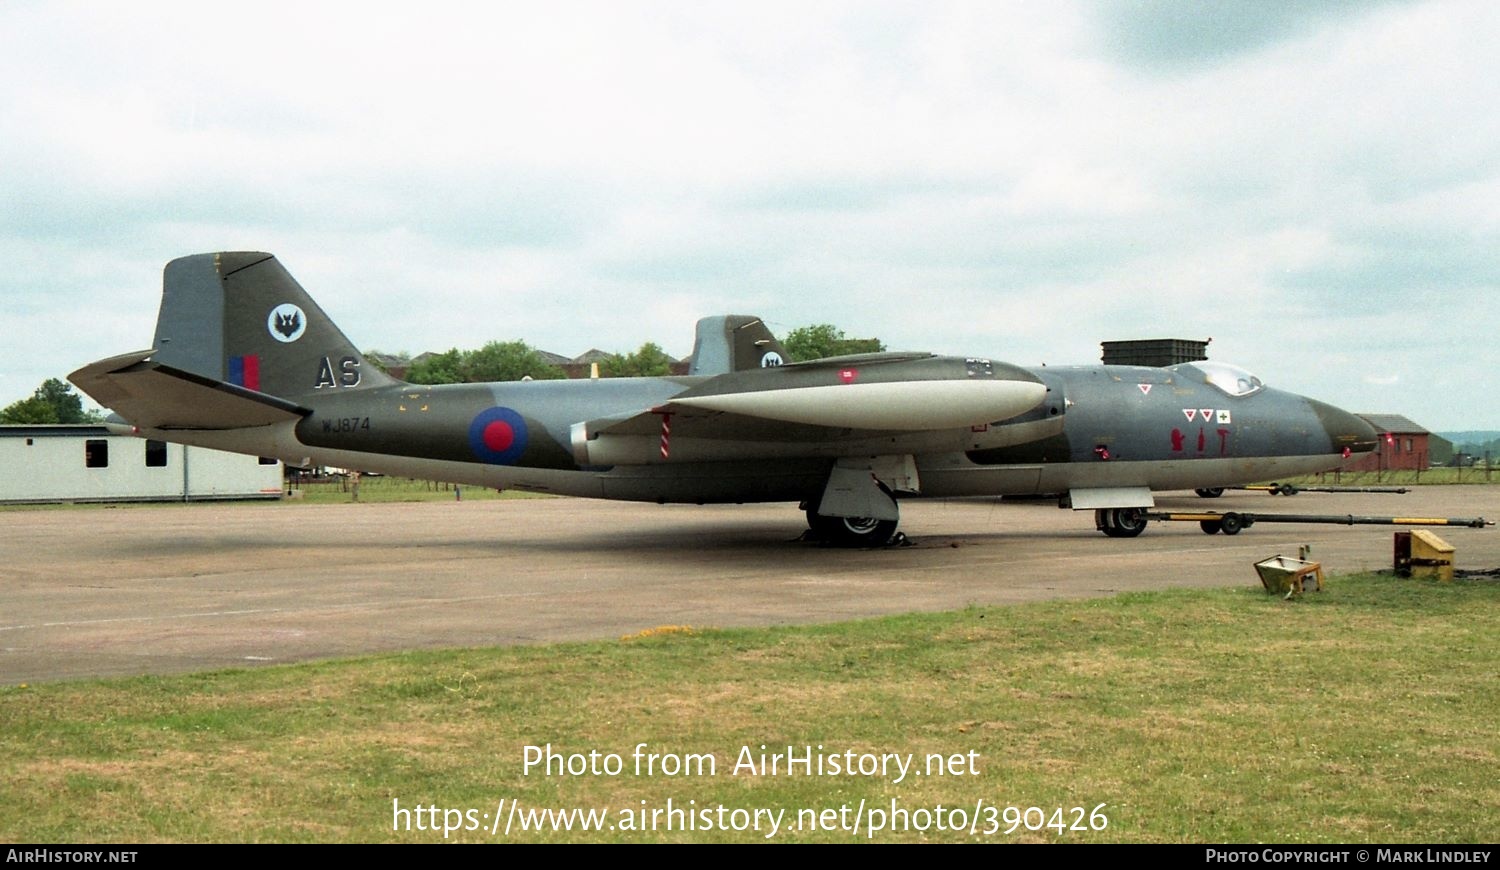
x,y
1475,474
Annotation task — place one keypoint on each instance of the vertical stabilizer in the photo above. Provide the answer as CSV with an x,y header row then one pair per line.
x,y
240,317
732,343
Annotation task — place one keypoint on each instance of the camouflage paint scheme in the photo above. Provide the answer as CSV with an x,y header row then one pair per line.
x,y
244,360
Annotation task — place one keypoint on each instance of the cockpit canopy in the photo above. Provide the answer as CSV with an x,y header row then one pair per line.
x,y
1228,379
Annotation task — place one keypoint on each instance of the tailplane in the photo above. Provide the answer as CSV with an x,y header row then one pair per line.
x,y
240,318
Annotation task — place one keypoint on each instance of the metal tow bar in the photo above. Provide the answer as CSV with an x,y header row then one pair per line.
x,y
1294,488
1232,522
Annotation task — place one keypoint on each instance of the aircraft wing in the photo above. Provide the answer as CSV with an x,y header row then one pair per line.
x,y
150,395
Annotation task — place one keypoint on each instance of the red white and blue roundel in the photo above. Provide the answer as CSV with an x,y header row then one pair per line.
x,y
498,436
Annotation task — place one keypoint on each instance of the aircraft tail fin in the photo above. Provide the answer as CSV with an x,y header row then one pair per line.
x,y
732,343
239,317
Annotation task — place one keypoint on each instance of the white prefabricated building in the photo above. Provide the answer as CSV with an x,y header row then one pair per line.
x,y
61,463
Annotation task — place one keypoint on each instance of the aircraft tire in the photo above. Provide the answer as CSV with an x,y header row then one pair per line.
x,y
1231,524
1288,489
1120,522
1210,492
852,531
1210,527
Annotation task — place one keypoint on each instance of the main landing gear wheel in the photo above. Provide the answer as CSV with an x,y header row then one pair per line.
x,y
1210,492
851,531
1120,522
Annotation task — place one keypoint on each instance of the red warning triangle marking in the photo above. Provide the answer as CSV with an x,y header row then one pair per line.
x,y
1208,413
1191,414
1145,388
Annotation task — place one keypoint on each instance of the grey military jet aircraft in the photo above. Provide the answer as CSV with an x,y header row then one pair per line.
x,y
245,361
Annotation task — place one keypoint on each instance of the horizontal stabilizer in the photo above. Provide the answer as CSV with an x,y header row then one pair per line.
x,y
155,396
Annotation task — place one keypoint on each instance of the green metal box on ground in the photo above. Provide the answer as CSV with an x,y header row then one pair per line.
x,y
1286,576
1420,553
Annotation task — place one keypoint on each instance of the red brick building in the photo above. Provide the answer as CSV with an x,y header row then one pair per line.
x,y
1402,445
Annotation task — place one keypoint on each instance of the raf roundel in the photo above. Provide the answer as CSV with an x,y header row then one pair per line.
x,y
498,436
286,322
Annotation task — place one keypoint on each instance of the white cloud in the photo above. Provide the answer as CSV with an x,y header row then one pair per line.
x,y
1015,179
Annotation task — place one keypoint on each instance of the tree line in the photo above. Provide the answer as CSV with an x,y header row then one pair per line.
x,y
55,402
515,360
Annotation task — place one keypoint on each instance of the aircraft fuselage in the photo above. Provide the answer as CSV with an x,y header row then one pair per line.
x,y
1097,426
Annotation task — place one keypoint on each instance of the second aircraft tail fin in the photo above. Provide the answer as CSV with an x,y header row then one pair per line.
x,y
732,343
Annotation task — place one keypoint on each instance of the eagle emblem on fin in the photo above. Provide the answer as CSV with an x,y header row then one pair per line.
x,y
286,322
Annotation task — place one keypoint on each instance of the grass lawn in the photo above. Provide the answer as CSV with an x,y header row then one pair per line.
x,y
1365,713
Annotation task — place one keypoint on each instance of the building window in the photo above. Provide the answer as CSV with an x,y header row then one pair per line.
x,y
1408,445
96,453
156,454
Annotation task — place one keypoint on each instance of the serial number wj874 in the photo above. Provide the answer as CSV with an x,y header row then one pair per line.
x,y
346,424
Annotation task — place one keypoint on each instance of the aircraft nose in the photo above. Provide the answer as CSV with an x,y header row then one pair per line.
x,y
1345,430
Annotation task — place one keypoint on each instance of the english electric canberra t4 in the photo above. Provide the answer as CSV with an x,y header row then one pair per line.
x,y
245,361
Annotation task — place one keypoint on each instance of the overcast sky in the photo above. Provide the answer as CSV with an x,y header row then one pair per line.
x,y
1315,186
